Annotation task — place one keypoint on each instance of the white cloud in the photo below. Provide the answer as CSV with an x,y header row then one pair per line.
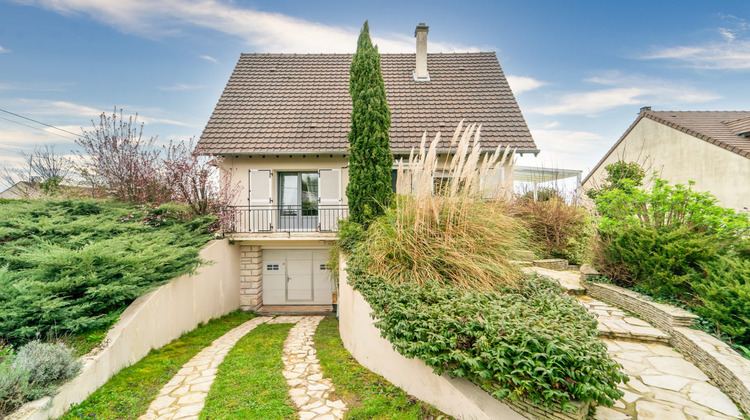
x,y
181,86
625,90
3,50
209,58
70,111
731,52
521,84
266,32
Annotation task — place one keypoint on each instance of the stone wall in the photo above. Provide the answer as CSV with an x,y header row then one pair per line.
x,y
150,322
727,368
454,396
251,277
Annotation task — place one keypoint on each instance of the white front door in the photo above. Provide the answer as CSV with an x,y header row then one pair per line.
x,y
296,277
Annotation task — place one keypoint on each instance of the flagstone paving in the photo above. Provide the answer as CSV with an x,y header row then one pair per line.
x,y
663,385
184,395
615,323
309,390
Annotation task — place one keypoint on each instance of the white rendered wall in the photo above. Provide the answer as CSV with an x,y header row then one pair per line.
x,y
150,322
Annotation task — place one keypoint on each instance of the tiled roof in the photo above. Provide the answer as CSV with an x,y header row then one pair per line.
x,y
715,127
721,128
292,103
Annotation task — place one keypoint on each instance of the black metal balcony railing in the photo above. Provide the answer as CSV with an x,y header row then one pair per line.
x,y
304,218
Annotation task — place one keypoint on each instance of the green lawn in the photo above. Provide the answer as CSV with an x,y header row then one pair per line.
x,y
249,384
368,396
128,394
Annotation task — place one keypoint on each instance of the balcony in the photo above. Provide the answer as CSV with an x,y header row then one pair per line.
x,y
304,218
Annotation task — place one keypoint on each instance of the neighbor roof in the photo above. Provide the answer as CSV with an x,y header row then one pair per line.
x,y
721,128
295,103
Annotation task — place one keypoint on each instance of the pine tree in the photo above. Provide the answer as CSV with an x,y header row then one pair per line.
x,y
370,162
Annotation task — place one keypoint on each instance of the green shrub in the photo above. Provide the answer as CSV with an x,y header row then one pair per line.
x,y
370,160
46,364
558,230
532,342
677,244
35,371
71,266
723,296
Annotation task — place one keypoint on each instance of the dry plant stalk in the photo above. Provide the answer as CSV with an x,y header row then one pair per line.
x,y
470,178
465,235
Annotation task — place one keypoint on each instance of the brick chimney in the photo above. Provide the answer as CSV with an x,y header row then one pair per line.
x,y
420,73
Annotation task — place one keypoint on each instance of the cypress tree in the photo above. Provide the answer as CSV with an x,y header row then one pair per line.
x,y
370,162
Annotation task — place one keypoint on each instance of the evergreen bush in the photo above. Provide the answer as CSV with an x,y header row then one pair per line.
x,y
70,266
370,160
677,244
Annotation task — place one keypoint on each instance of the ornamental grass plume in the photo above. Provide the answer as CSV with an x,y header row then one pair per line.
x,y
462,234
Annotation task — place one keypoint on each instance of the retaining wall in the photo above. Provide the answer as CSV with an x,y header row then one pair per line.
x,y
150,322
455,396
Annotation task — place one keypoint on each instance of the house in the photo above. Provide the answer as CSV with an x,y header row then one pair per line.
x,y
281,125
711,148
21,190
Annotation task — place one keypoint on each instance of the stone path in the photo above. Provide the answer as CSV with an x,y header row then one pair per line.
x,y
184,395
615,323
663,385
310,391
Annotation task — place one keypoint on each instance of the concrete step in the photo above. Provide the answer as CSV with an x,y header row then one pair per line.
x,y
295,310
616,323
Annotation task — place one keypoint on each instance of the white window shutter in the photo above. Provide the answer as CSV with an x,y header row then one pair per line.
x,y
260,200
329,198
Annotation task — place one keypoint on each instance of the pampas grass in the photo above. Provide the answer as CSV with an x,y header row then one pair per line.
x,y
463,236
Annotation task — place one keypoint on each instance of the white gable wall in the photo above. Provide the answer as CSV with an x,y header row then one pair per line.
x,y
679,158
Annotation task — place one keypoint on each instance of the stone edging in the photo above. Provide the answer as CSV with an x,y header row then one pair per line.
x,y
726,367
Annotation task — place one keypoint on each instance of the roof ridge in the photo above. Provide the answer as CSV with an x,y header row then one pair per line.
x,y
349,54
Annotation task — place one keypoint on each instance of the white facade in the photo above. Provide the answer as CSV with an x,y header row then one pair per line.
x,y
286,219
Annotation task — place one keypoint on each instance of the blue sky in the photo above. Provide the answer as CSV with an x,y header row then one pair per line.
x,y
580,70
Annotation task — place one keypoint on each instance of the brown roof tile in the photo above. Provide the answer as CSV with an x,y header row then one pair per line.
x,y
300,103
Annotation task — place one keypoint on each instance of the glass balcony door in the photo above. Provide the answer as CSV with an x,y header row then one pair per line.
x,y
298,201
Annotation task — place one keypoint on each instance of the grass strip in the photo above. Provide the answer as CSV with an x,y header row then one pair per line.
x,y
249,384
128,394
367,395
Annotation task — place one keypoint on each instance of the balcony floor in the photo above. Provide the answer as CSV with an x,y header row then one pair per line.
x,y
284,236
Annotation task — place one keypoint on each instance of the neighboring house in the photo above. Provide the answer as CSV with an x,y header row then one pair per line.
x,y
281,125
23,189
711,148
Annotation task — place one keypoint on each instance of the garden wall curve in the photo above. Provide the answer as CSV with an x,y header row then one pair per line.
x,y
455,396
150,322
